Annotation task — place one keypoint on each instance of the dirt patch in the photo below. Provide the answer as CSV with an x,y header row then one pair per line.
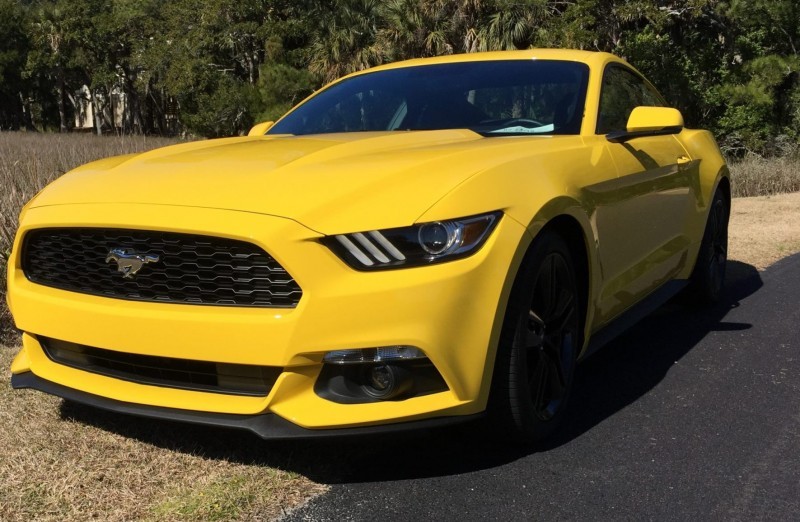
x,y
764,229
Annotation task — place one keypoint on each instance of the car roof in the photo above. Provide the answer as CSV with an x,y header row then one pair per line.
x,y
592,58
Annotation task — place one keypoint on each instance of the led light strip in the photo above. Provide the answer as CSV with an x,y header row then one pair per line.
x,y
387,245
372,249
353,249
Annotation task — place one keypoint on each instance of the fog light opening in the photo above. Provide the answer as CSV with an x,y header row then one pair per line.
x,y
381,378
386,381
382,373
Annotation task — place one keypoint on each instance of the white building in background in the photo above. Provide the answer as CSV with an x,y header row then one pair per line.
x,y
113,110
84,109
84,105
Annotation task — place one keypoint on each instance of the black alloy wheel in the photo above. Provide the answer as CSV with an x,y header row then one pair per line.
x,y
708,276
540,342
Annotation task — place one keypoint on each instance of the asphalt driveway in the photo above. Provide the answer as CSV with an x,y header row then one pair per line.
x,y
692,415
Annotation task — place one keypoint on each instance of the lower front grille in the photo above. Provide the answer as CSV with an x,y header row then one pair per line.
x,y
185,374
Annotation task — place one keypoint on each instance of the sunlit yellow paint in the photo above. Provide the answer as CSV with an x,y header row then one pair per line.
x,y
284,193
654,118
260,128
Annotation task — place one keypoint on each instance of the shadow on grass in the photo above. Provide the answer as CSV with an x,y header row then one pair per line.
x,y
618,375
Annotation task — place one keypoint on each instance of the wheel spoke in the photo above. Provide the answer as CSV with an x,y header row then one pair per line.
x,y
554,299
563,312
538,382
553,353
533,331
557,379
543,289
554,287
545,332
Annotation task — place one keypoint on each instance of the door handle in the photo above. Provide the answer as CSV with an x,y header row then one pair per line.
x,y
683,162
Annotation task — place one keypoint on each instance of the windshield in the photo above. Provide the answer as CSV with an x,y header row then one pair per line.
x,y
493,98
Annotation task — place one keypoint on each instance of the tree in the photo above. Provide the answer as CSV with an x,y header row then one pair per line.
x,y
414,29
55,33
762,90
211,67
13,55
345,38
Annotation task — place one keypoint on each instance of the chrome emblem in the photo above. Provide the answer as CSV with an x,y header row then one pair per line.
x,y
129,262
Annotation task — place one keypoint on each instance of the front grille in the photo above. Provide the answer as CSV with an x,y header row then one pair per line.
x,y
190,269
186,374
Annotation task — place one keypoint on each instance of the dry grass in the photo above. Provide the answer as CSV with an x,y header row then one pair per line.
x,y
62,462
757,176
28,162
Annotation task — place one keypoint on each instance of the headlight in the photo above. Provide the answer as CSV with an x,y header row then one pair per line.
x,y
421,244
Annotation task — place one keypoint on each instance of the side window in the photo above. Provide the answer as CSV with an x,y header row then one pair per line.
x,y
622,91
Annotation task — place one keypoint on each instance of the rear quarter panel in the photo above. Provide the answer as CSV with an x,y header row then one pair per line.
x,y
702,147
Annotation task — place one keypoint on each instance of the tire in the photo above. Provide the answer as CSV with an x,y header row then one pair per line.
x,y
708,276
539,344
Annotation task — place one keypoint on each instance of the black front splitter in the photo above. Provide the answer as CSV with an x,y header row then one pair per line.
x,y
267,425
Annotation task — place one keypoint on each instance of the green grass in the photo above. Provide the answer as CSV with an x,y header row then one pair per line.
x,y
229,497
223,500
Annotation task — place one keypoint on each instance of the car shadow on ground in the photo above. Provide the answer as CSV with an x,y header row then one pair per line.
x,y
618,375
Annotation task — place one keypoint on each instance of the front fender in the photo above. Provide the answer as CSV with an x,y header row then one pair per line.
x,y
539,200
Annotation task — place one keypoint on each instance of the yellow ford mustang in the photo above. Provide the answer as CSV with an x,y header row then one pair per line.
x,y
417,244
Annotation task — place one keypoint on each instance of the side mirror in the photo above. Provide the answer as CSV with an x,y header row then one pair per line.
x,y
259,129
649,121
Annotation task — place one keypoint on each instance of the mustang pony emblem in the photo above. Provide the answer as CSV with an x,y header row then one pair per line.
x,y
129,262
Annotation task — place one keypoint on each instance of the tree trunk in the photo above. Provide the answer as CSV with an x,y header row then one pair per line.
x,y
112,114
62,110
27,115
97,112
251,66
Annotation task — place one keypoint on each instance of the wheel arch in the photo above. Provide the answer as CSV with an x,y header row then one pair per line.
x,y
570,230
572,225
567,218
724,185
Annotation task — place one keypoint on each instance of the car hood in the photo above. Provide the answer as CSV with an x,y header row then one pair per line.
x,y
330,183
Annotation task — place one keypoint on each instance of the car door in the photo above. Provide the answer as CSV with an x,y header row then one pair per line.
x,y
645,220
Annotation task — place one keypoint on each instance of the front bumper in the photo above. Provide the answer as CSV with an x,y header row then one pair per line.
x,y
266,425
450,311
